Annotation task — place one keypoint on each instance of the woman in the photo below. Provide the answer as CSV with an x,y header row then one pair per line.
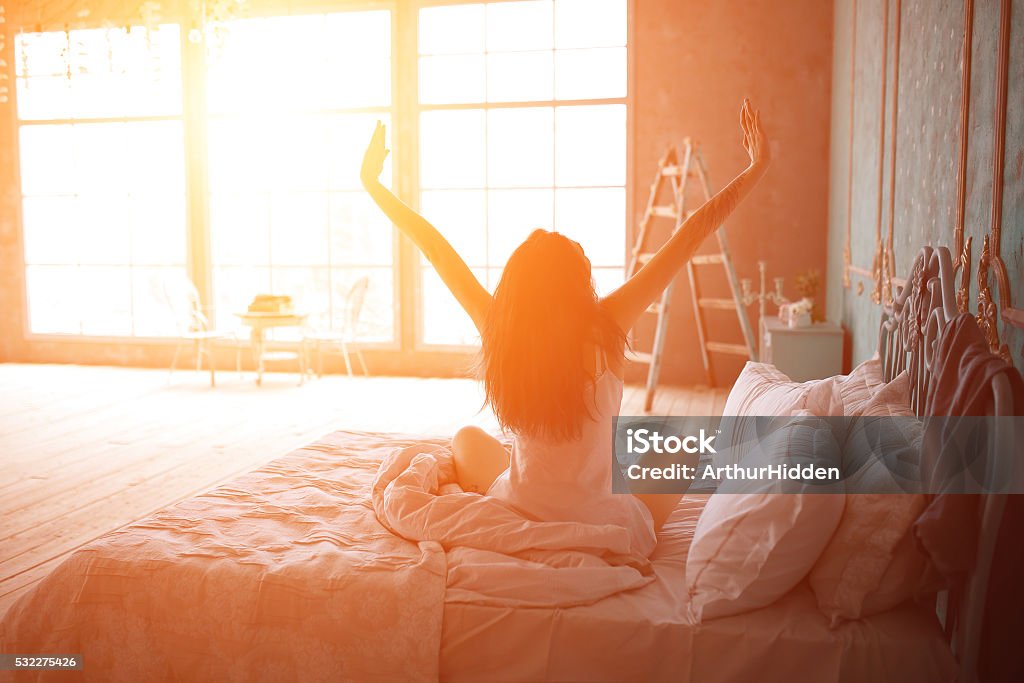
x,y
553,355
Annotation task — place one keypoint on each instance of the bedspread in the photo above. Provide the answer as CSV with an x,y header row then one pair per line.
x,y
281,574
286,573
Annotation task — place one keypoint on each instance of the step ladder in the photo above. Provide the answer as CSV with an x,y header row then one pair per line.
x,y
675,170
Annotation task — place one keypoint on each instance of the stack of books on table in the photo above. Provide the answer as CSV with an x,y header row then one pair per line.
x,y
271,303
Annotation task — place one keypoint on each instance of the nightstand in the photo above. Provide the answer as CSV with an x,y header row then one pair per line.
x,y
802,353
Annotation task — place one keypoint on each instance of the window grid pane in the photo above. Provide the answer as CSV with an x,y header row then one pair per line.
x,y
103,202
99,73
288,215
527,51
490,175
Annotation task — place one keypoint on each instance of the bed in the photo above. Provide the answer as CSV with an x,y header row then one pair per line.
x,y
286,573
266,577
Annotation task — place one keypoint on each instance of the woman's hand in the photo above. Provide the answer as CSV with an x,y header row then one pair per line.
x,y
753,136
376,153
627,303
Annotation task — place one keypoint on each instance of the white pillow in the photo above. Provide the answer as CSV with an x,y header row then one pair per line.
x,y
871,564
846,394
752,544
762,389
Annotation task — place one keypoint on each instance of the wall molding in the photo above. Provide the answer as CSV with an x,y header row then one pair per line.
x,y
991,308
888,255
849,162
962,250
878,265
999,159
988,310
882,270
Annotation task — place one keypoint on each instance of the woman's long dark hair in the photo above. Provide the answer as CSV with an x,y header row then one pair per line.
x,y
545,315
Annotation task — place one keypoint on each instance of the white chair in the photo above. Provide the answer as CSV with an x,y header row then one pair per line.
x,y
193,327
324,340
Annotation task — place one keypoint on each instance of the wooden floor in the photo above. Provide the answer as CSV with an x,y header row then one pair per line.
x,y
85,450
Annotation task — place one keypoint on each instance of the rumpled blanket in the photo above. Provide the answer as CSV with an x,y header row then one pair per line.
x,y
495,555
286,574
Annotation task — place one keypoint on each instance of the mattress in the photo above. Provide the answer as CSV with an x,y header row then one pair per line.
x,y
646,635
286,574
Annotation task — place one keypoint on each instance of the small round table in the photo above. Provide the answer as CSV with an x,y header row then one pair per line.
x,y
258,323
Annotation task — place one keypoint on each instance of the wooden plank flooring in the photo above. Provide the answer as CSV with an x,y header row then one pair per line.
x,y
85,450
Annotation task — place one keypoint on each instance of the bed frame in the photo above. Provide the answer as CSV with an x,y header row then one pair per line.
x,y
908,336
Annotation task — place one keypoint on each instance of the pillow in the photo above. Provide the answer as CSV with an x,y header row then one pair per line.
x,y
902,579
871,563
846,394
761,389
753,544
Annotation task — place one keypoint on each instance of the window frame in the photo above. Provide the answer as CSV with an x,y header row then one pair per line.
x,y
271,10
17,125
420,344
407,352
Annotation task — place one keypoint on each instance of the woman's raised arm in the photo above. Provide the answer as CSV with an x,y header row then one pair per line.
x,y
454,272
629,301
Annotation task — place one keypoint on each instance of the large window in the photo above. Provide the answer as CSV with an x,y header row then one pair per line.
x,y
287,212
522,126
103,178
516,120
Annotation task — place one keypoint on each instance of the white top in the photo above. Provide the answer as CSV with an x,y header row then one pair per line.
x,y
571,481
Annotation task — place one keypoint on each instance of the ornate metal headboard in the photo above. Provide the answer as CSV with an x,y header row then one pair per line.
x,y
908,335
911,326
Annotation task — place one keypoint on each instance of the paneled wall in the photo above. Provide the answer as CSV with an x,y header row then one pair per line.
x,y
927,148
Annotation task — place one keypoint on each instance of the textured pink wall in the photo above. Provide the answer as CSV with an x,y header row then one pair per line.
x,y
694,62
